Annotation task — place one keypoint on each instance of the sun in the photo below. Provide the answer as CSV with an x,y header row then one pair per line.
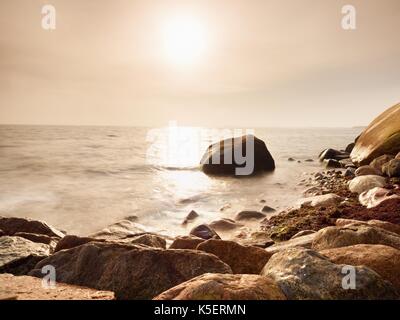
x,y
185,40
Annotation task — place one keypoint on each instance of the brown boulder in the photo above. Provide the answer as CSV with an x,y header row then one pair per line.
x,y
383,260
352,234
131,271
186,242
204,231
379,162
225,287
375,223
367,171
10,226
224,224
19,255
242,259
304,241
381,137
30,288
249,215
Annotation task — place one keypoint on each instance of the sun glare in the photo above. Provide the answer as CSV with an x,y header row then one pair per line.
x,y
185,40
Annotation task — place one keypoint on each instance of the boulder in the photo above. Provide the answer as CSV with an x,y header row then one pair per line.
x,y
30,288
350,147
375,196
367,171
249,215
268,209
186,242
10,226
131,271
381,137
19,255
304,241
384,260
392,168
352,234
225,287
332,154
379,162
219,158
325,200
148,239
259,239
204,231
350,173
332,163
190,217
365,183
71,241
242,259
304,274
395,228
224,224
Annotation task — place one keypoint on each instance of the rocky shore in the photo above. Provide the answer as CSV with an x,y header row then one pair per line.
x,y
342,241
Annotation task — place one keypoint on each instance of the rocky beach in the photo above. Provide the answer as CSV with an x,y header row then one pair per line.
x,y
340,241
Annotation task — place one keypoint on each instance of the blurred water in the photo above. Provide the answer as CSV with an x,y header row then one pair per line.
x,y
81,179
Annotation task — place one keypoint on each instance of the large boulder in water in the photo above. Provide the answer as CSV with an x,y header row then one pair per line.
x,y
381,137
241,156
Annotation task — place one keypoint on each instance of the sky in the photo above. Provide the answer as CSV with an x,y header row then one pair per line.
x,y
212,63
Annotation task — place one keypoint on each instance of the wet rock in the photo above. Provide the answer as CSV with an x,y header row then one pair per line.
x,y
19,255
379,162
309,160
392,168
214,163
325,200
249,215
332,163
225,287
267,209
131,271
186,242
381,137
332,154
10,226
350,147
224,224
367,171
349,173
365,183
30,288
204,231
147,239
304,241
291,159
304,274
313,191
190,217
383,260
242,259
352,234
375,196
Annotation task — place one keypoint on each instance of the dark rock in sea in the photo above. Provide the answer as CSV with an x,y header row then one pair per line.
x,y
249,215
10,226
350,147
31,288
225,287
309,160
392,168
384,260
219,158
304,274
131,271
291,159
204,231
242,259
19,255
267,209
381,137
224,224
190,217
331,163
333,154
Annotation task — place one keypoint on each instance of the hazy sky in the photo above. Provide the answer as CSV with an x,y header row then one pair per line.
x,y
259,63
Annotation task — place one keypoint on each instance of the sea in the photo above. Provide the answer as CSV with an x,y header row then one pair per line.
x,y
81,179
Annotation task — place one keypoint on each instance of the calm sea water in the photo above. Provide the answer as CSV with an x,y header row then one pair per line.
x,y
81,179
